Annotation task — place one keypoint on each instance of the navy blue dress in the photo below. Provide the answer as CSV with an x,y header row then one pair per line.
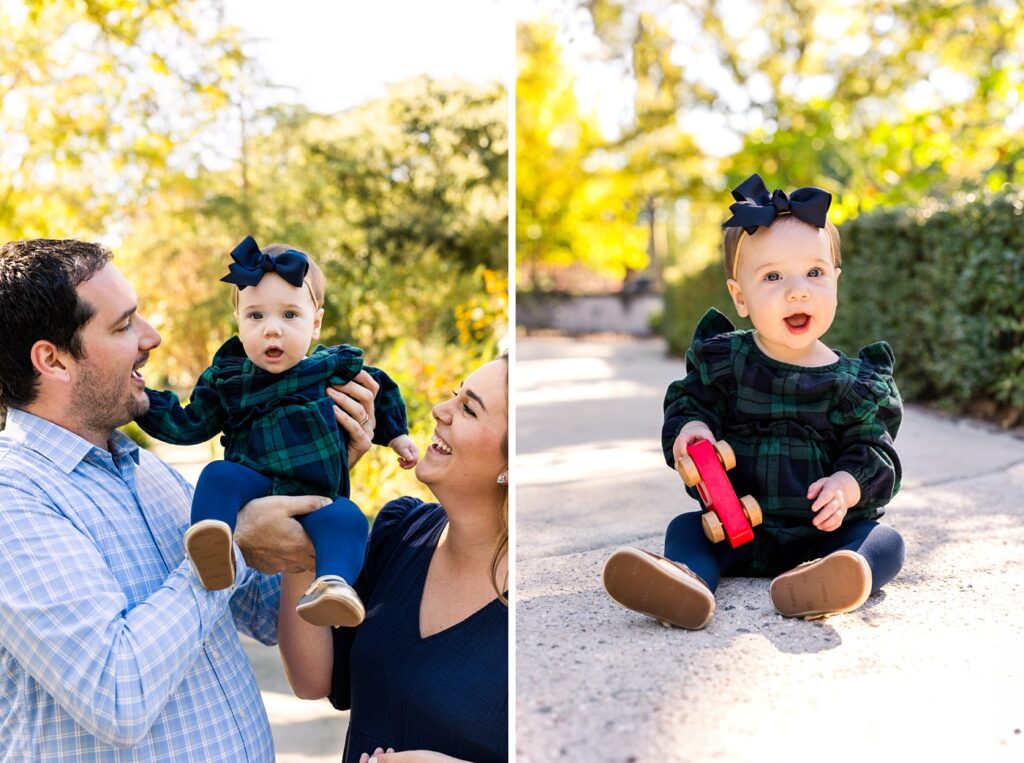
x,y
448,692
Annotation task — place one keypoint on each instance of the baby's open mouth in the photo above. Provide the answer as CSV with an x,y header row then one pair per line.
x,y
274,353
799,322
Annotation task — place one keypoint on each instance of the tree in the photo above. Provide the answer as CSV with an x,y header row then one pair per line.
x,y
98,99
572,203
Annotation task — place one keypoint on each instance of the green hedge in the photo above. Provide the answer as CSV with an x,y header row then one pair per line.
x,y
942,283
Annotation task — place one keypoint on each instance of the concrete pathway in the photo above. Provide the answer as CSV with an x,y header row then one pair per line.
x,y
931,668
304,731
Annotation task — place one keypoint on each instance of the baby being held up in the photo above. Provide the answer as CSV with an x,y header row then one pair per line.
x,y
281,436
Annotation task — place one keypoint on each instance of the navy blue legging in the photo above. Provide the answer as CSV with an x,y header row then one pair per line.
x,y
338,530
881,545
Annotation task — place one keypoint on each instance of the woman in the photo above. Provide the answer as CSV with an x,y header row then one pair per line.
x,y
427,671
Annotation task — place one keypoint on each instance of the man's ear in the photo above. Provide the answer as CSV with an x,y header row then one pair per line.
x,y
50,362
317,321
737,297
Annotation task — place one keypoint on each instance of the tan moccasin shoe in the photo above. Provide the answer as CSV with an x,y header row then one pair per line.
x,y
209,546
839,582
653,585
331,601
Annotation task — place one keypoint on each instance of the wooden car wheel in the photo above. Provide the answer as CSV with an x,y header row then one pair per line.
x,y
688,471
713,527
752,509
725,454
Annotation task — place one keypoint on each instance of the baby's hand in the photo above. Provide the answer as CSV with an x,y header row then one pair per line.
x,y
408,453
690,433
833,496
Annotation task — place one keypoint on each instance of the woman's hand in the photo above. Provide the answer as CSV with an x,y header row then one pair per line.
x,y
353,408
833,496
689,434
408,756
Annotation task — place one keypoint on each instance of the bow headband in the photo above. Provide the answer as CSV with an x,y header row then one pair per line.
x,y
755,207
250,264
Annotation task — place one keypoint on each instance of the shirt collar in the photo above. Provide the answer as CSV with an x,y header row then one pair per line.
x,y
61,446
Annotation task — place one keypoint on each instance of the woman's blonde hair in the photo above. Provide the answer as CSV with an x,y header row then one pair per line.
x,y
501,544
734,237
315,280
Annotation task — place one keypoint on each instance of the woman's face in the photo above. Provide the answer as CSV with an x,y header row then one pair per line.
x,y
466,451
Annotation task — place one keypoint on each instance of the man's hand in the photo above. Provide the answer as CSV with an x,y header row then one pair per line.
x,y
690,433
353,408
833,496
270,537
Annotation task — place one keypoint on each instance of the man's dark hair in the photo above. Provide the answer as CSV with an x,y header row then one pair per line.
x,y
38,301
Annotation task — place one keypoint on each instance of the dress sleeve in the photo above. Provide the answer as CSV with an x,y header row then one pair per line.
x,y
384,538
203,418
868,418
701,394
389,409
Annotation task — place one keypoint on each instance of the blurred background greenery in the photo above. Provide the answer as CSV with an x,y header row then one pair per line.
x,y
636,117
144,124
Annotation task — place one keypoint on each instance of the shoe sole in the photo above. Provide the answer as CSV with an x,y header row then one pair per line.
x,y
332,610
642,583
208,545
840,582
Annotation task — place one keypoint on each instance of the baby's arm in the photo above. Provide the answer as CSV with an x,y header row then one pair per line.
x,y
408,453
203,418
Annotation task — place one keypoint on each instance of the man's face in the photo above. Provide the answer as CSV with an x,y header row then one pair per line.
x,y
109,389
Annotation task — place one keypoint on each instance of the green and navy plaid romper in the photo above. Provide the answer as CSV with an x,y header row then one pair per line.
x,y
789,426
282,425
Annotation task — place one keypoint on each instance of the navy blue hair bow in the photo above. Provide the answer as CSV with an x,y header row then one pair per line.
x,y
250,264
755,207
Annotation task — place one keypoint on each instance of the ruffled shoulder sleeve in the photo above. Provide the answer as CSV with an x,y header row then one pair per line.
x,y
343,360
228,360
703,394
711,350
873,394
867,419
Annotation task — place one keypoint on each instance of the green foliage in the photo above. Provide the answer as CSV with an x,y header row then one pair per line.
x,y
951,303
688,300
98,99
940,282
573,204
884,104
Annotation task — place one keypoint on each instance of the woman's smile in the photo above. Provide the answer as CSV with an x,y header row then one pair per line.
x,y
439,446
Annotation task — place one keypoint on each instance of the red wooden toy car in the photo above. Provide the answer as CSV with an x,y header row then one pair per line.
x,y
705,467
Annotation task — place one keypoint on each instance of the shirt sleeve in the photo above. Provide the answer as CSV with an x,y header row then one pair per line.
x,y
388,407
699,396
257,596
65,619
254,606
869,417
204,417
379,548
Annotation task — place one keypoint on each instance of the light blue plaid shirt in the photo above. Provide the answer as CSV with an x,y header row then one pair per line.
x,y
110,647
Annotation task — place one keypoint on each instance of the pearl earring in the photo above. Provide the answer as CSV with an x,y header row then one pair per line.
x,y
502,479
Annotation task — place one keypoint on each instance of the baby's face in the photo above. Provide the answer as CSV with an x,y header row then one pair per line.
x,y
277,322
786,282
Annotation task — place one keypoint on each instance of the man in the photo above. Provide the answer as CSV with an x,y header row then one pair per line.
x,y
110,646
